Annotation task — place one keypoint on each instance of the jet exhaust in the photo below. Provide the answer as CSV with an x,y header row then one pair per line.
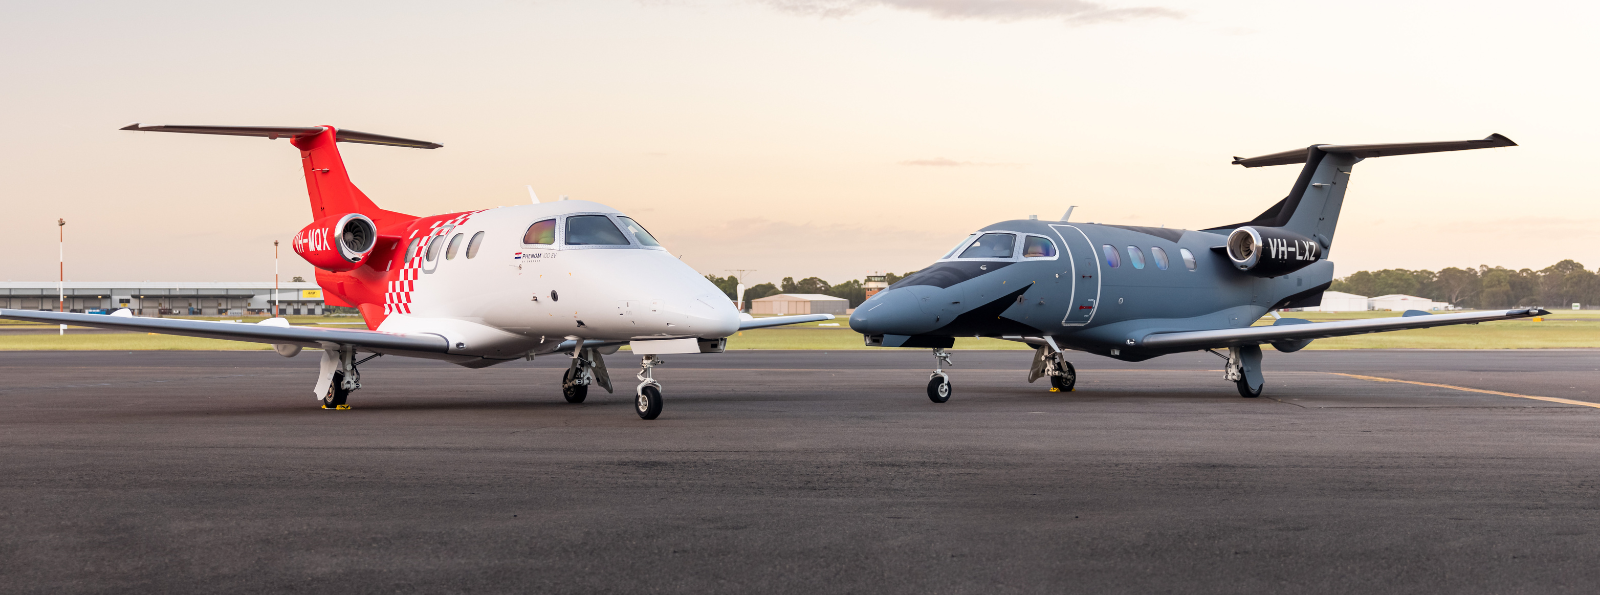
x,y
1271,251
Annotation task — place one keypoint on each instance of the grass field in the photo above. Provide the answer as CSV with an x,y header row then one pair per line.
x,y
1561,330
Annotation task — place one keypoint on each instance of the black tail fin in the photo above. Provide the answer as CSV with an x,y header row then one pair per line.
x,y
1312,207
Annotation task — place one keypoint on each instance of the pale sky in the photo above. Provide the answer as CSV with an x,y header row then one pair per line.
x,y
832,138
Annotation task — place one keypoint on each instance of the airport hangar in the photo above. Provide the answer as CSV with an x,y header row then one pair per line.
x,y
165,298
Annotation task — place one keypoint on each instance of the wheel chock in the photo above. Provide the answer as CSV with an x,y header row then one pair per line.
x,y
1054,389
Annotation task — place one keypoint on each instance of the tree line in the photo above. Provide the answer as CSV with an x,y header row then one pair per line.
x,y
1557,286
852,290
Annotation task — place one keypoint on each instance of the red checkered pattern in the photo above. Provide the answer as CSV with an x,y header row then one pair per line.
x,y
397,296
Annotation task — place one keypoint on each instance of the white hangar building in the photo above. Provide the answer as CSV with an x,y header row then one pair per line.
x,y
169,298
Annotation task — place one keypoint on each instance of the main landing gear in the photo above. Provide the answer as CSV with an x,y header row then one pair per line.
x,y
588,367
339,377
1050,361
939,383
1244,370
1063,377
648,401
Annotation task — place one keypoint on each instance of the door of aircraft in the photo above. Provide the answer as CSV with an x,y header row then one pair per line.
x,y
1085,274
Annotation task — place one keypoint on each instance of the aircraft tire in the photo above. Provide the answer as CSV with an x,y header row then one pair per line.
x,y
939,390
1244,389
649,403
574,394
337,395
1065,382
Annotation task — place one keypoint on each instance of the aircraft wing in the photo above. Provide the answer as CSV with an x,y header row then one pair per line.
x,y
1256,335
253,333
745,325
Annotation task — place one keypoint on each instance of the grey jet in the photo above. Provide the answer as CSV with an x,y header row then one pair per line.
x,y
1134,293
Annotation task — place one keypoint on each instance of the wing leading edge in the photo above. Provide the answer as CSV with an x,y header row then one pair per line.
x,y
751,323
253,333
1256,335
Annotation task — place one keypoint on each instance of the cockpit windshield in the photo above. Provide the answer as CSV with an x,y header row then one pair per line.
x,y
991,245
593,230
644,237
958,246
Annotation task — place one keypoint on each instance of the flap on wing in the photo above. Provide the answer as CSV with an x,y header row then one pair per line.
x,y
1256,335
253,333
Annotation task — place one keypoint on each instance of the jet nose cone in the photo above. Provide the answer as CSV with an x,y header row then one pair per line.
x,y
893,312
723,323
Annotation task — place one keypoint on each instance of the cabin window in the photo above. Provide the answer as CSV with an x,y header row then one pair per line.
x,y
1112,260
1160,256
1136,256
1038,247
959,244
455,246
411,251
472,246
434,244
644,237
991,245
594,230
1188,258
543,232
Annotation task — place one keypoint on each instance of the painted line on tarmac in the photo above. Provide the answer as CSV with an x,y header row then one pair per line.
x,y
1473,390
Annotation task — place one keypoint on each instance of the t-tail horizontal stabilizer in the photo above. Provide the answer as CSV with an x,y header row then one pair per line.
x,y
275,132
1379,150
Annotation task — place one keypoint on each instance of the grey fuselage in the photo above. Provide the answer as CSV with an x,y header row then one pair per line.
x,y
1076,298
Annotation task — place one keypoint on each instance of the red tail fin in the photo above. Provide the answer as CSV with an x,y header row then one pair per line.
x,y
328,183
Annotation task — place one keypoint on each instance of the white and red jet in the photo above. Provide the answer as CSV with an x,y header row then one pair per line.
x,y
477,288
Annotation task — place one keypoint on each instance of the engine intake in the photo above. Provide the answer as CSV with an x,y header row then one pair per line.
x,y
1271,251
338,243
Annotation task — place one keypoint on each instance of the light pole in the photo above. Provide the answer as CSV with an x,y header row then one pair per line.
x,y
275,308
61,281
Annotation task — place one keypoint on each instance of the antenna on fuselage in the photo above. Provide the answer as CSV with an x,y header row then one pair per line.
x,y
1067,216
531,195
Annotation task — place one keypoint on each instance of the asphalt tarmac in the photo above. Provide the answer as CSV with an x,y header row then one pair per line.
x,y
803,472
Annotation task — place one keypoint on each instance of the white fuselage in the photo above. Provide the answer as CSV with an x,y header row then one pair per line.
x,y
511,298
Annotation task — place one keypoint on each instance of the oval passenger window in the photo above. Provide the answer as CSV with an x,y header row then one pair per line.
x,y
455,246
1188,258
472,246
1112,260
411,251
1136,256
434,244
1160,256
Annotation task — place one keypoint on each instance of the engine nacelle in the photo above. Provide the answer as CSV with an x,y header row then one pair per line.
x,y
1271,251
337,243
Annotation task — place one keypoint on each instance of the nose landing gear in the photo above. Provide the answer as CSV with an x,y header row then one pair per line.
x,y
649,401
939,382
